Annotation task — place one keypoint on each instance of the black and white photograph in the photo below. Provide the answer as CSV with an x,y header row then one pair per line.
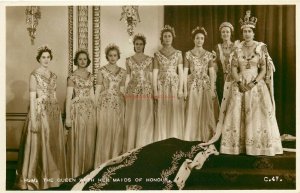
x,y
140,96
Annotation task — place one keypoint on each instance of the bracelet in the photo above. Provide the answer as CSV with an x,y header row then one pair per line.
x,y
254,81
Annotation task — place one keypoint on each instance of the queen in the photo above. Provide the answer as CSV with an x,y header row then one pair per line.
x,y
248,123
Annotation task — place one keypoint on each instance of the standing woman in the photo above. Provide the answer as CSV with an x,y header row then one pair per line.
x,y
249,124
139,116
42,152
168,88
200,89
224,54
110,107
80,117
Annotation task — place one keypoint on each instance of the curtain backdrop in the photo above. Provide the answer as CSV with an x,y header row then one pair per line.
x,y
275,27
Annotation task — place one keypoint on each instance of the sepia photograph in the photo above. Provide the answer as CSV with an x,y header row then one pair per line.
x,y
141,96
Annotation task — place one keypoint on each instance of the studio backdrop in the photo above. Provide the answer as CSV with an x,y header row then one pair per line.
x,y
275,27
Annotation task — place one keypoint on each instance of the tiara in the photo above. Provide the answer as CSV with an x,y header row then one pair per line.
x,y
169,28
139,35
44,48
200,29
248,22
82,50
226,24
111,46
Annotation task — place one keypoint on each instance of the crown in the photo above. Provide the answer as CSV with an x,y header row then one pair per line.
x,y
168,28
139,35
111,46
44,48
248,22
199,29
226,24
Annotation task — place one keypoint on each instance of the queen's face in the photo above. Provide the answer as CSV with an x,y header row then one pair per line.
x,y
45,59
139,46
248,34
199,40
167,38
112,56
225,33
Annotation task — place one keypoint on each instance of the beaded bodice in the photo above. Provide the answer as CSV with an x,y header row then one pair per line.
x,y
82,85
46,87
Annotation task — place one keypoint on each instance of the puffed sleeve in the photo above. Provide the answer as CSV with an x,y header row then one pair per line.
x,y
150,66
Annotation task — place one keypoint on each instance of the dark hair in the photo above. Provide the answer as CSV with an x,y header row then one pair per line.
x,y
41,51
139,38
77,56
194,33
109,48
162,33
253,29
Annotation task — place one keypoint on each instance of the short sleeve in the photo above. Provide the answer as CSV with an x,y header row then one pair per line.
x,y
100,77
128,71
211,62
150,66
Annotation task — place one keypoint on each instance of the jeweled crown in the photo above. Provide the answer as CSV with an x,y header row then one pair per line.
x,y
168,28
248,20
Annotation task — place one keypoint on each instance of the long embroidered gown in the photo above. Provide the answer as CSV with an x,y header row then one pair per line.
x,y
248,122
224,77
170,109
201,109
139,115
110,116
42,154
82,136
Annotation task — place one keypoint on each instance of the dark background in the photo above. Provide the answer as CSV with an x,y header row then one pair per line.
x,y
275,27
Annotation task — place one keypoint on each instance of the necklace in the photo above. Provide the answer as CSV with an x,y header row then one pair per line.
x,y
44,72
226,45
249,46
198,53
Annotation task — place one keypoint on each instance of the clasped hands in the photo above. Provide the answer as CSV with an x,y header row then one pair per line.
x,y
245,87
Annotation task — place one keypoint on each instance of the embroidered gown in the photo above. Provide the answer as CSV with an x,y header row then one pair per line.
x,y
201,109
247,120
224,77
42,154
110,116
82,135
139,116
170,109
